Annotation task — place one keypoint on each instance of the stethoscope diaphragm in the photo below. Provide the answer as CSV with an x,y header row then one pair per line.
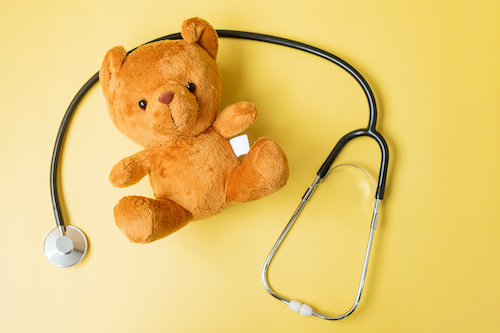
x,y
65,246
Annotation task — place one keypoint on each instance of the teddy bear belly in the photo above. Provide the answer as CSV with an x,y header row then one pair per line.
x,y
194,173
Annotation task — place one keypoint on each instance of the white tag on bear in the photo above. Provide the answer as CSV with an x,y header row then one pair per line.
x,y
240,145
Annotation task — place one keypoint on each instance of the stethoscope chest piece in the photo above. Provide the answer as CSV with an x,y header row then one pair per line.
x,y
65,246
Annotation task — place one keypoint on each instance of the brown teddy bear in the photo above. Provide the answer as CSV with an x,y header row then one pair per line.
x,y
165,96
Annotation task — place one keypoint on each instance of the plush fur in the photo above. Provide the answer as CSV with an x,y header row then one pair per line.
x,y
192,168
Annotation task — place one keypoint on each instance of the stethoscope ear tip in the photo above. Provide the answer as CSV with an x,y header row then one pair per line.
x,y
65,246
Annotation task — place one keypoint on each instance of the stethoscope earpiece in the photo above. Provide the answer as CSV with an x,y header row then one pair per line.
x,y
65,246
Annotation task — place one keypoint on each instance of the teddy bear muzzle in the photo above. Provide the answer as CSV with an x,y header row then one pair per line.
x,y
175,109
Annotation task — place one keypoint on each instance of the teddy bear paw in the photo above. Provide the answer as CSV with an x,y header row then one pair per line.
x,y
264,170
144,220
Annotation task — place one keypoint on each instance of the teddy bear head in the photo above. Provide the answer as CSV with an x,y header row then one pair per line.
x,y
165,90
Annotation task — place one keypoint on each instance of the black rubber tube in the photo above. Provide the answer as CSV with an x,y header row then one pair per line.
x,y
54,166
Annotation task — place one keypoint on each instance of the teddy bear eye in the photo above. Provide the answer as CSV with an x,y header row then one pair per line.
x,y
143,104
191,86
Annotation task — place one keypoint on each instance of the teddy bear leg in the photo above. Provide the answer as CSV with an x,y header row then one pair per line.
x,y
264,170
144,220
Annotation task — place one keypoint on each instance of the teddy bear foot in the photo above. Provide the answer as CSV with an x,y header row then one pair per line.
x,y
264,170
144,220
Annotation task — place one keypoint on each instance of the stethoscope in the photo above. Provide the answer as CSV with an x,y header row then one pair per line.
x,y
67,245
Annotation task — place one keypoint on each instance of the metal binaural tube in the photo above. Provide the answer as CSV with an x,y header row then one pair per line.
x,y
295,305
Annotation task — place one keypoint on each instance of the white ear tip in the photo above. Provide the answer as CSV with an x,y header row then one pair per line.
x,y
294,306
303,309
306,310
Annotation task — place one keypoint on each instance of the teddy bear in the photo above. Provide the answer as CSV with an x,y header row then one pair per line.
x,y
165,96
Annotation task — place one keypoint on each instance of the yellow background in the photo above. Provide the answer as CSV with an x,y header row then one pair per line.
x,y
434,68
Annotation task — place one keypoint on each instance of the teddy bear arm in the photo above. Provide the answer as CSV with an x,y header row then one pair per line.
x,y
235,118
130,170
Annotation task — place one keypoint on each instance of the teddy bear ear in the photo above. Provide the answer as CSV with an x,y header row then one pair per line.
x,y
112,62
197,30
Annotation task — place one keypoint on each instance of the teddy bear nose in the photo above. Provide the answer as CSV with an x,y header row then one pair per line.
x,y
166,97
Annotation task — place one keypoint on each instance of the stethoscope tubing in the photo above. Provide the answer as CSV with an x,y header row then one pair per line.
x,y
384,150
63,128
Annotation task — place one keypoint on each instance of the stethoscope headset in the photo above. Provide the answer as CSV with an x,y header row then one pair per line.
x,y
66,245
